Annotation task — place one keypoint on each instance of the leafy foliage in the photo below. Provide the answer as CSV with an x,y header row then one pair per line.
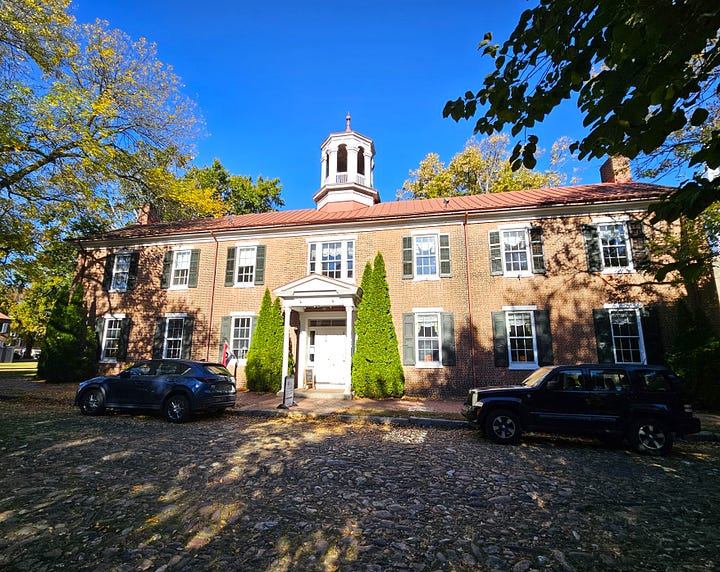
x,y
641,71
263,369
376,367
70,349
481,167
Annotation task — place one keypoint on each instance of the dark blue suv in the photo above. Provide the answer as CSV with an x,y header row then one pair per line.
x,y
177,388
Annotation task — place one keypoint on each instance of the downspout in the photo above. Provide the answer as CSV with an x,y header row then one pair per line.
x,y
212,298
469,299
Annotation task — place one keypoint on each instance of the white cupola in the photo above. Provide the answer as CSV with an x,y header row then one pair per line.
x,y
346,178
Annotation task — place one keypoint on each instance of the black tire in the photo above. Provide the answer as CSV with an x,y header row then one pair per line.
x,y
92,402
176,408
502,426
651,437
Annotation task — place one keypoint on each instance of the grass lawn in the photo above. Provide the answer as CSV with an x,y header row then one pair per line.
x,y
18,370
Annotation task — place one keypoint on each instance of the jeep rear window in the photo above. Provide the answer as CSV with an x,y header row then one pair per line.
x,y
658,380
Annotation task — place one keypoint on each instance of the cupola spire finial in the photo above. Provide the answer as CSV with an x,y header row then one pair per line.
x,y
347,123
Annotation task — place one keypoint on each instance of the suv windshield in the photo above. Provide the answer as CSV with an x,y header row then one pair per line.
x,y
536,377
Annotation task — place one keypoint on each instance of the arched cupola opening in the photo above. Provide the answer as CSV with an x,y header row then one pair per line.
x,y
361,161
342,156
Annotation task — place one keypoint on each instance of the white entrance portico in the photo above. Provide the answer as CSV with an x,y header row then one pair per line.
x,y
326,336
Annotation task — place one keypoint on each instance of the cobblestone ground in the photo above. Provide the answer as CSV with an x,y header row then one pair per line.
x,y
132,492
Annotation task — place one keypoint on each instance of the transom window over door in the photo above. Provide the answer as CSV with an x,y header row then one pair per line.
x,y
335,259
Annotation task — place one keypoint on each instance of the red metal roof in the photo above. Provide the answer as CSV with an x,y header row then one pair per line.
x,y
531,198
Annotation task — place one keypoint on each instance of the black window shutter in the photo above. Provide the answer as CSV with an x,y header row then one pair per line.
x,y
124,338
448,339
133,270
166,269
260,265
230,267
500,344
194,269
408,339
592,247
159,338
445,268
538,252
496,265
108,272
543,337
99,331
652,335
225,324
640,254
407,258
187,337
603,336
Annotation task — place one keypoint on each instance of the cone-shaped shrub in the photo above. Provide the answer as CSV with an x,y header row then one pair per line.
x,y
69,351
376,369
263,369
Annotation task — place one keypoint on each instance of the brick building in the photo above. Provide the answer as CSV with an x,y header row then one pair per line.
x,y
483,288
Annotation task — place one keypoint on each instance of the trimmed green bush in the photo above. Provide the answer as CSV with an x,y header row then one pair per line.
x,y
263,369
69,352
376,367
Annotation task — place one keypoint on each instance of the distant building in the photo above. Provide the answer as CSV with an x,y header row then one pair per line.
x,y
483,288
6,352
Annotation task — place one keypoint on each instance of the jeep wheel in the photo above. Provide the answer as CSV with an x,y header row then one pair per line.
x,y
650,436
92,402
177,408
502,426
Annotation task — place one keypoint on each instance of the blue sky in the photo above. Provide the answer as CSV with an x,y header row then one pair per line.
x,y
273,79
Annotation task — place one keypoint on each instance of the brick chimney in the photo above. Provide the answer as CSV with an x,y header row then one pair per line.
x,y
148,214
616,170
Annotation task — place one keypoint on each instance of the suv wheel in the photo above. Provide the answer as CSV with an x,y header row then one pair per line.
x,y
177,408
651,436
502,426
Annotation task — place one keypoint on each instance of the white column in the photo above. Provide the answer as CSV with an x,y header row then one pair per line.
x,y
352,154
349,335
332,173
368,170
286,343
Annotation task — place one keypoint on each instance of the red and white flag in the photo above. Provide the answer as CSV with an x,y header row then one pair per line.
x,y
227,355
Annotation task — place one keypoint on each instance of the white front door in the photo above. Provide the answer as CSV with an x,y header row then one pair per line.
x,y
328,357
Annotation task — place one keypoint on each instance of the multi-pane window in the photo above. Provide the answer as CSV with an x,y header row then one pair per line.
x,y
613,245
425,256
111,338
626,336
334,259
240,338
428,338
121,271
517,251
245,273
173,338
181,268
521,337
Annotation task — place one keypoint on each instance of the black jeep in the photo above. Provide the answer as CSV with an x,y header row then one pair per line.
x,y
638,402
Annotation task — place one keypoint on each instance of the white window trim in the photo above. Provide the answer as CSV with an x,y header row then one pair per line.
x,y
234,315
175,252
238,247
528,250
107,317
622,219
626,306
426,277
112,278
438,313
514,365
343,240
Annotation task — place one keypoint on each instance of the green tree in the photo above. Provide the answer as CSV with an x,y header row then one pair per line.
x,y
483,166
376,367
239,194
70,348
263,369
640,70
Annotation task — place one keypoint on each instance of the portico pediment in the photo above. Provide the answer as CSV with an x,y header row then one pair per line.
x,y
316,289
